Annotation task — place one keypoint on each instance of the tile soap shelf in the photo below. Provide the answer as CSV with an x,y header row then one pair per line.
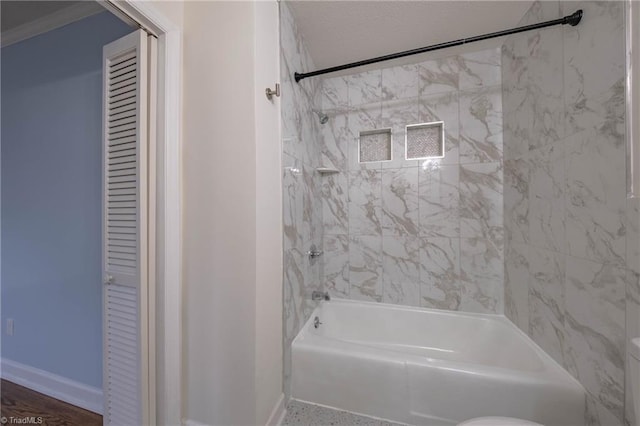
x,y
327,171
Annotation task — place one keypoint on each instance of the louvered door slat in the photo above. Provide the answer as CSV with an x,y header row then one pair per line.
x,y
122,109
119,330
123,404
123,172
126,68
129,94
123,177
122,88
122,250
121,377
124,218
118,239
123,147
125,370
121,115
119,252
120,85
117,62
125,237
124,401
123,318
124,409
125,103
125,310
118,77
119,143
123,301
122,256
113,252
120,125
120,209
119,243
120,202
123,153
121,223
121,160
121,165
122,133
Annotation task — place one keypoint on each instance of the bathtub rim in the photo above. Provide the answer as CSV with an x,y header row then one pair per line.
x,y
551,368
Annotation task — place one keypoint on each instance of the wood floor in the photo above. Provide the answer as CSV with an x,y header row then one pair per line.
x,y
19,402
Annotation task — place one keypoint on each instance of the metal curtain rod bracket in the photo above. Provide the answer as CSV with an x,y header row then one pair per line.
x,y
572,20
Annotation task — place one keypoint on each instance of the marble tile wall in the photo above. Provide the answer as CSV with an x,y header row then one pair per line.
x,y
420,233
302,186
571,235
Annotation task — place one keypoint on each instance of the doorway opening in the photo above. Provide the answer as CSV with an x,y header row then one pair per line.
x,y
166,219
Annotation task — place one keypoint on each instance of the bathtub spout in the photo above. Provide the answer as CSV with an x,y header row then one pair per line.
x,y
320,295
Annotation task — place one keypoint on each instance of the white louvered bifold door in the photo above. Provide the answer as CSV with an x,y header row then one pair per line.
x,y
125,239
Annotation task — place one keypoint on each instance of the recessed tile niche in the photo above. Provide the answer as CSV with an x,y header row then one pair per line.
x,y
424,141
374,145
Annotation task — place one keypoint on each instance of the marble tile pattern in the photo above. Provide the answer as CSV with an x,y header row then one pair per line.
x,y
571,237
526,214
632,313
302,188
415,232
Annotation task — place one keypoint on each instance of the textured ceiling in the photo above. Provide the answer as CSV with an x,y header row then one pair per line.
x,y
338,32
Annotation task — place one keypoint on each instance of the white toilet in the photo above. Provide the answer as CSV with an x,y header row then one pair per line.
x,y
634,361
634,351
498,421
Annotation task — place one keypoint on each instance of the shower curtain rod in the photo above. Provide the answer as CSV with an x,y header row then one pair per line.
x,y
572,20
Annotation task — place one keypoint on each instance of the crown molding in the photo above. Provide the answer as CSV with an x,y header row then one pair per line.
x,y
50,22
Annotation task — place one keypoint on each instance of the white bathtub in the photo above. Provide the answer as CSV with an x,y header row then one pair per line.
x,y
428,367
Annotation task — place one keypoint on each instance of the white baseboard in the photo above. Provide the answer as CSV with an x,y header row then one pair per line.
x,y
278,413
55,386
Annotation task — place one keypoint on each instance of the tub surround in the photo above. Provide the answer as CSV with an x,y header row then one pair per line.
x,y
302,206
570,232
411,232
554,244
632,306
404,232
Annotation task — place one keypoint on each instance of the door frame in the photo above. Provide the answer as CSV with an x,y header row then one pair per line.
x,y
165,304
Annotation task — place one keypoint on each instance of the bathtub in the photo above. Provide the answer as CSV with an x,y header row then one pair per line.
x,y
428,367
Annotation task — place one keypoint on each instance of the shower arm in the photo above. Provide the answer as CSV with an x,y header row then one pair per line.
x,y
572,20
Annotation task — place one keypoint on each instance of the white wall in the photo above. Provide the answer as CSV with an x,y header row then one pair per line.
x,y
230,342
168,316
232,237
219,212
269,213
51,198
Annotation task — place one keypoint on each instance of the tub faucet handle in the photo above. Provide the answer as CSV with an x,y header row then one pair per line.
x,y
314,253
